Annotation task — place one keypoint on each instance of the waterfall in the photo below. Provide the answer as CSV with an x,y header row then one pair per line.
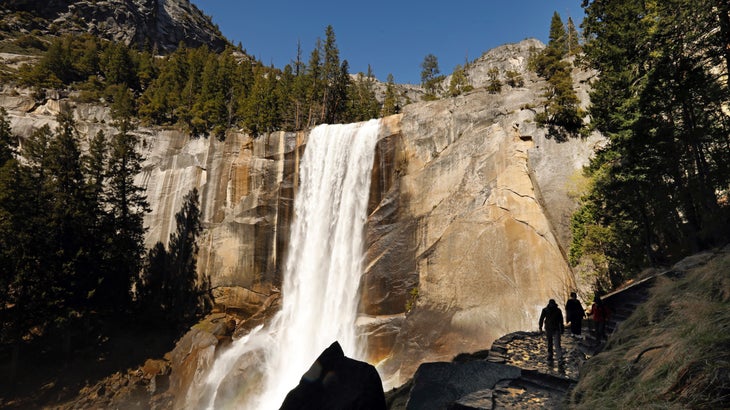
x,y
321,276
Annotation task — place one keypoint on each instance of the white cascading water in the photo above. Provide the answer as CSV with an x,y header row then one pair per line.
x,y
321,279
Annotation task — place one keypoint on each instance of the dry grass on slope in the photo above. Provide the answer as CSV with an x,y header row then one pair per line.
x,y
673,352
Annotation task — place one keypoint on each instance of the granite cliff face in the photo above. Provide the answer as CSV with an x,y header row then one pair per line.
x,y
469,213
162,24
471,231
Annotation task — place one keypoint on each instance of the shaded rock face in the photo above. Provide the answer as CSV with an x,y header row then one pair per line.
x,y
337,382
163,24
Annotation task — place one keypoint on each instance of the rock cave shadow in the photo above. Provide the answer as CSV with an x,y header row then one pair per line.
x,y
561,134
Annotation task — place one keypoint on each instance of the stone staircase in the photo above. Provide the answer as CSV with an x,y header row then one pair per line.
x,y
542,383
625,300
516,366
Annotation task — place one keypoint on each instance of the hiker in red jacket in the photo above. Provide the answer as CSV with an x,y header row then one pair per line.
x,y
600,314
552,318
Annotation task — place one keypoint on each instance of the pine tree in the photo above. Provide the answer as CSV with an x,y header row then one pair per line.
x,y
573,39
339,94
562,111
126,203
56,65
68,217
332,77
314,85
660,103
459,82
117,65
287,99
26,243
391,104
495,85
430,76
299,90
22,284
262,105
95,165
160,103
558,39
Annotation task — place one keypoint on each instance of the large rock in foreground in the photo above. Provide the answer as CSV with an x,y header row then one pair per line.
x,y
337,382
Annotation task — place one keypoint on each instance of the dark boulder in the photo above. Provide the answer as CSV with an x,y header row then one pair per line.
x,y
337,382
440,385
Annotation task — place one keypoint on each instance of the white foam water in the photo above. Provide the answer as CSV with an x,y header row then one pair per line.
x,y
320,290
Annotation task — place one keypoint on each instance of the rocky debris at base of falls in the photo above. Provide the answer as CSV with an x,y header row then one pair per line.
x,y
519,376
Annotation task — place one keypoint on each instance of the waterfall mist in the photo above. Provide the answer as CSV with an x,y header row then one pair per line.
x,y
320,282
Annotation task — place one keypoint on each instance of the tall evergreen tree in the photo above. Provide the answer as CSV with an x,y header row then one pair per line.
x,y
332,76
391,104
660,103
361,95
314,85
562,107
126,203
558,38
69,216
22,284
26,246
339,94
117,65
262,105
573,38
287,99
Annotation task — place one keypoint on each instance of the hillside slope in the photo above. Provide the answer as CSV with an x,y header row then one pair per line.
x,y
674,350
162,24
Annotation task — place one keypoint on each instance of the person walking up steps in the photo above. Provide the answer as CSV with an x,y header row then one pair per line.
x,y
552,318
574,313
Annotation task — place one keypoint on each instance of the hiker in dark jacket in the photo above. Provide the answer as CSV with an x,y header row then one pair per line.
x,y
552,318
574,313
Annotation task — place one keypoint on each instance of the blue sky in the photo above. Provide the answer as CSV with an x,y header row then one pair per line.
x,y
392,36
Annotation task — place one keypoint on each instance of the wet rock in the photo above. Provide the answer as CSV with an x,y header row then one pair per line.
x,y
191,359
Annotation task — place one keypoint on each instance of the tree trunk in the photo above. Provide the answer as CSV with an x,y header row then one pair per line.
x,y
14,362
724,17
